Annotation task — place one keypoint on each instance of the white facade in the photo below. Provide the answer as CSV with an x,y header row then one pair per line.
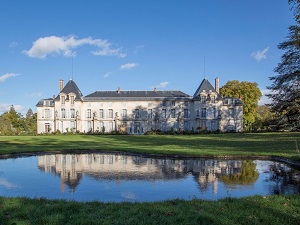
x,y
137,112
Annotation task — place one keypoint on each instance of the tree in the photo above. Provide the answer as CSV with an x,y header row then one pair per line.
x,y
286,85
249,93
263,119
31,122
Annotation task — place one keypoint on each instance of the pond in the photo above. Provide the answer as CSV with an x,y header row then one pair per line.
x,y
120,177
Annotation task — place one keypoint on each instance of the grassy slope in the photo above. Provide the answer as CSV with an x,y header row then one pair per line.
x,y
264,144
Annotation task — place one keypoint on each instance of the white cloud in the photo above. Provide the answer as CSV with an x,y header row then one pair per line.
x,y
52,45
162,84
264,99
128,66
260,55
13,44
6,107
107,74
7,76
6,184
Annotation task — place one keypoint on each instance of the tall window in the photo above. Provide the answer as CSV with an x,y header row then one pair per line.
x,y
186,103
203,99
215,112
137,113
213,99
63,100
124,113
173,103
186,113
198,113
172,113
72,100
72,113
89,113
231,112
164,103
203,113
63,113
101,116
110,113
47,113
150,113
164,113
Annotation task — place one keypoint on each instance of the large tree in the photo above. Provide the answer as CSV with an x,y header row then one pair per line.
x,y
249,94
286,85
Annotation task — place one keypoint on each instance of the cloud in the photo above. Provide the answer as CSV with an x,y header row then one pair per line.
x,y
7,184
128,66
162,84
264,99
260,55
107,74
13,44
7,76
65,46
6,107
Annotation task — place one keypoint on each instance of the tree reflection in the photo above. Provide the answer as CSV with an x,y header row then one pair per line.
x,y
248,174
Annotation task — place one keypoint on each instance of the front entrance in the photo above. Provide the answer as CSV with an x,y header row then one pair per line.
x,y
136,128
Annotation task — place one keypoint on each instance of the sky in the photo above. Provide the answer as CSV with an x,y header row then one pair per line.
x,y
135,45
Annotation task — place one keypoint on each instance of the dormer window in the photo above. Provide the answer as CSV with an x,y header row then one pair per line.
x,y
72,100
213,99
63,100
47,103
203,98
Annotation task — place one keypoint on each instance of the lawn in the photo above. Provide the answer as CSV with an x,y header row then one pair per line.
x,y
249,210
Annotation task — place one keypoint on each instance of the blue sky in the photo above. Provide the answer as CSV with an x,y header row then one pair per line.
x,y
136,45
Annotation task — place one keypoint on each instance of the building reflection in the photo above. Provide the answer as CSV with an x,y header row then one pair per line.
x,y
71,167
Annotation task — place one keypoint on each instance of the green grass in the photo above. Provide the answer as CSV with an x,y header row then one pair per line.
x,y
262,144
271,210
249,210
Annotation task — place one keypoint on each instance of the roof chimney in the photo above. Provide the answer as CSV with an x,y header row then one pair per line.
x,y
61,85
119,90
217,84
154,89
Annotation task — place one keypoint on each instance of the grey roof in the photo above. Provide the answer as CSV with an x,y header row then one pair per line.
x,y
41,102
205,86
71,87
133,95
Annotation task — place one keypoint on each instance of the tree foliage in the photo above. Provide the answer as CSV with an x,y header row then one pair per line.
x,y
249,93
286,85
13,123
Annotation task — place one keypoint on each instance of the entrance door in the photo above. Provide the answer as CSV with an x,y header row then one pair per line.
x,y
136,128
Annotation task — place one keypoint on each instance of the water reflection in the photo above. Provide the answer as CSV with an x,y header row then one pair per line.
x,y
116,177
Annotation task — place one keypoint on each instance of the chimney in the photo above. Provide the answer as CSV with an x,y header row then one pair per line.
x,y
119,90
53,96
217,84
154,89
61,85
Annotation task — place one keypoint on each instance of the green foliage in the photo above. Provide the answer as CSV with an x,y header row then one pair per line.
x,y
286,85
13,123
248,175
264,119
249,94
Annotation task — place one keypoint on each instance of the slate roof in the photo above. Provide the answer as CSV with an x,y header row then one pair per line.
x,y
41,102
133,95
205,86
71,87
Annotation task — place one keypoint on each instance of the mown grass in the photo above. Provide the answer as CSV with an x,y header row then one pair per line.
x,y
271,210
240,144
249,210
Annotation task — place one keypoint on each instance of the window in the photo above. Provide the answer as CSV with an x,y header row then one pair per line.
x,y
149,113
198,113
101,113
172,113
203,99
89,126
186,113
72,100
164,113
213,99
63,100
124,113
72,113
215,112
173,103
186,125
110,113
137,113
63,113
231,112
89,113
47,127
46,103
186,103
164,103
47,113
203,113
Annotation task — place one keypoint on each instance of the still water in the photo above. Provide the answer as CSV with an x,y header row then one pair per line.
x,y
117,178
